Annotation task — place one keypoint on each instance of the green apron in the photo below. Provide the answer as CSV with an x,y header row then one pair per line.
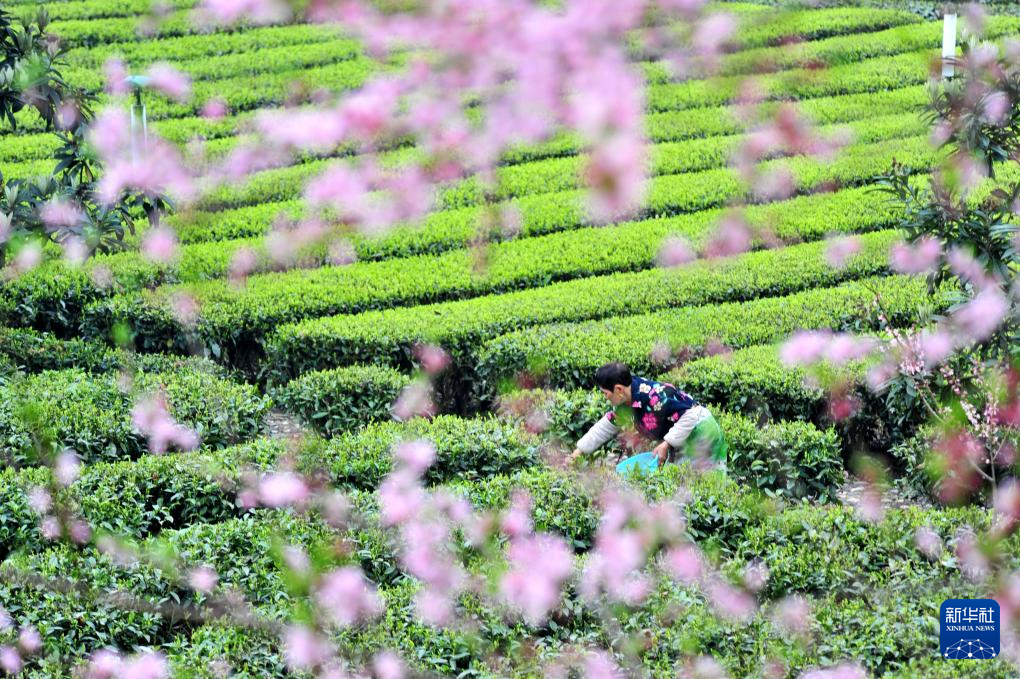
x,y
706,440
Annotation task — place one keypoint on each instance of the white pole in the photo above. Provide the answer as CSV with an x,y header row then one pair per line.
x,y
948,45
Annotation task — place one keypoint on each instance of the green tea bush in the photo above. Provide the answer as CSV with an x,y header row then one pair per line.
x,y
334,401
466,449
92,413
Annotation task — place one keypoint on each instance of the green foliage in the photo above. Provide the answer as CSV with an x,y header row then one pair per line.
x,y
92,413
387,336
465,449
334,401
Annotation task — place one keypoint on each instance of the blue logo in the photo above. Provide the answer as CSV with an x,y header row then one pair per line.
x,y
969,629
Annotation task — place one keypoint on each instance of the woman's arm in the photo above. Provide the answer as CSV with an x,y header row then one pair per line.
x,y
600,432
678,433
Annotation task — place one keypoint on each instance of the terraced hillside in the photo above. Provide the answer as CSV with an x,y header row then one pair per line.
x,y
334,345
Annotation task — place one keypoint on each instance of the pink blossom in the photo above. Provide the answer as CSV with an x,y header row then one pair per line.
x,y
39,500
28,256
599,665
793,614
347,596
303,649
184,308
539,565
5,620
151,417
400,497
995,107
110,132
29,640
10,660
259,12
844,347
297,560
839,250
776,184
919,257
282,489
50,528
729,601
203,579
415,400
302,129
870,508
242,263
685,563
416,455
844,671
967,267
115,74
171,82
973,562
732,237
214,109
104,664
805,347
58,213
937,346
755,576
433,359
615,172
981,316
80,532
160,244
517,521
675,252
388,666
433,606
144,666
76,250
154,168
928,542
712,33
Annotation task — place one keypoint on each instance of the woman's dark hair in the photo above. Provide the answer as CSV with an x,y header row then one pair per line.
x,y
611,374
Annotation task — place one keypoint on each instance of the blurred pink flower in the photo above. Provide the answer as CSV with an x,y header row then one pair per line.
x,y
415,400
166,79
919,257
143,666
675,251
400,497
433,606
80,532
283,489
981,316
214,109
928,542
303,649
844,347
995,107
967,267
29,640
805,347
242,263
388,665
615,173
416,455
259,12
839,250
203,579
160,244
936,346
151,417
685,563
50,528
5,620
433,359
973,562
517,520
731,602
539,565
731,237
301,129
67,467
57,213
115,74
844,671
39,499
347,596
110,132
599,665
10,660
792,614
870,508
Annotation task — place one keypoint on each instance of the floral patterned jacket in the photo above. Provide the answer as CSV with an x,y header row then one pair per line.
x,y
657,406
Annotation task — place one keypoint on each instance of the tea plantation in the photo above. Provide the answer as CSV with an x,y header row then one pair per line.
x,y
333,346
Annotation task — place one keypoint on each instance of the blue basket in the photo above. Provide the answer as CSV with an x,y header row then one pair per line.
x,y
642,463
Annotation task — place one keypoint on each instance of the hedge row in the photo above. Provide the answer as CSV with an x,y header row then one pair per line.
x,y
387,336
543,180
178,49
337,400
231,319
54,295
217,68
567,354
137,498
566,173
105,9
92,413
839,50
